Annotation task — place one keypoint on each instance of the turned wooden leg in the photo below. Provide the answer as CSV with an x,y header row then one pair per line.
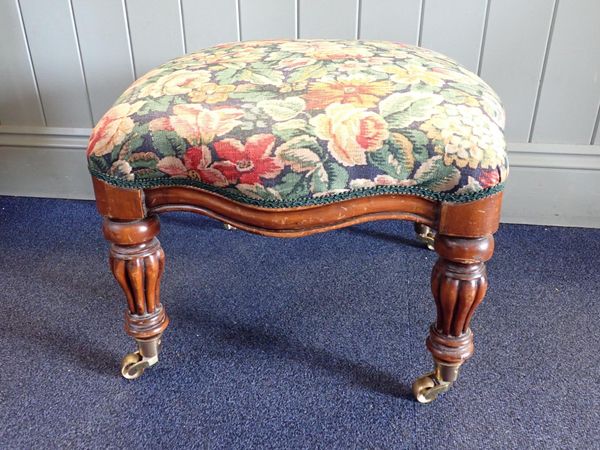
x,y
458,283
137,262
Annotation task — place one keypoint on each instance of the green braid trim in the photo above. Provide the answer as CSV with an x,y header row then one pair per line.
x,y
304,201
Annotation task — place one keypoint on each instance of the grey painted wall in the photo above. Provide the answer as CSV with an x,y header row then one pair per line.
x,y
65,61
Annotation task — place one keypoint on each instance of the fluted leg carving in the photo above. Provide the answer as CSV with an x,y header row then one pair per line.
x,y
137,262
458,283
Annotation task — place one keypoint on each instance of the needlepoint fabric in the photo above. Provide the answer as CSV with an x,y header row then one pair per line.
x,y
280,123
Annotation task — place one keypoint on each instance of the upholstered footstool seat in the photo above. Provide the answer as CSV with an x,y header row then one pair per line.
x,y
289,138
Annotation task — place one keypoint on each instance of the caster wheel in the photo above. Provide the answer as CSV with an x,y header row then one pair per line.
x,y
133,366
427,388
426,235
422,389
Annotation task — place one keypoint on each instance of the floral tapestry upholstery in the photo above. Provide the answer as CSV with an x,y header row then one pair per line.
x,y
286,123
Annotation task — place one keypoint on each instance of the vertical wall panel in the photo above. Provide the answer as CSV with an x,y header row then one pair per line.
x,y
208,23
56,61
332,19
511,64
19,102
267,19
455,28
571,87
393,20
156,34
105,51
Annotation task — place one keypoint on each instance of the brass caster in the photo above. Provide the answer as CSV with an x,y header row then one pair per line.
x,y
229,227
425,234
427,388
134,364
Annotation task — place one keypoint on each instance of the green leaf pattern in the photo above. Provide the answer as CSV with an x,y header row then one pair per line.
x,y
285,120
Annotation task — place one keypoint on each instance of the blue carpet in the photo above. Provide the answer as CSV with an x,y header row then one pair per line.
x,y
291,343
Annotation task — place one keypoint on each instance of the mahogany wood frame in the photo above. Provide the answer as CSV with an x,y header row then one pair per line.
x,y
464,243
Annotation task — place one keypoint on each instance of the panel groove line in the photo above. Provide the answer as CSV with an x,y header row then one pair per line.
x,y
31,64
81,65
103,43
512,65
238,19
570,93
155,32
182,25
128,30
358,18
483,36
54,51
454,28
543,71
595,138
296,19
420,26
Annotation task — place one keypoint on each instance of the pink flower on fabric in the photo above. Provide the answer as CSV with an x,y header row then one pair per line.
x,y
489,178
195,165
197,160
247,163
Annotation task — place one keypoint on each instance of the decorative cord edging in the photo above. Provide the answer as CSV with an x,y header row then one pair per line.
x,y
308,201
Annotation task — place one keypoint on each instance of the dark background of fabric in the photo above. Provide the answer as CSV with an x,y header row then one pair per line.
x,y
303,343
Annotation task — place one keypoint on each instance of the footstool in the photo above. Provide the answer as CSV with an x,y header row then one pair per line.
x,y
289,138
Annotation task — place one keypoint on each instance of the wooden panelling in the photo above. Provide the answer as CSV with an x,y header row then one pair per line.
x,y
63,63
83,62
455,28
267,19
105,51
44,162
553,197
19,100
570,92
391,20
54,49
513,65
156,33
332,19
208,23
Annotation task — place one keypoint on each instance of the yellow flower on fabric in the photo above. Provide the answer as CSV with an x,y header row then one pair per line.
x,y
294,63
141,80
242,56
289,87
113,128
197,124
350,132
122,169
357,89
211,93
466,137
176,83
326,50
380,180
413,74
